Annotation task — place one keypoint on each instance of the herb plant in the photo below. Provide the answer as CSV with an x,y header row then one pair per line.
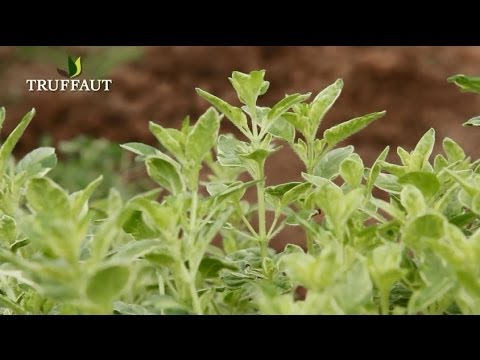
x,y
392,238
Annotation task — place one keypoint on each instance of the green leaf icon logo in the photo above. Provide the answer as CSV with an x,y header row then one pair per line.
x,y
74,67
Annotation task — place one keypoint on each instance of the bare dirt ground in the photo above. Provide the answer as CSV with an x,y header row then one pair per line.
x,y
409,82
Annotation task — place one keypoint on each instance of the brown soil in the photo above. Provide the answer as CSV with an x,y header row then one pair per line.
x,y
408,82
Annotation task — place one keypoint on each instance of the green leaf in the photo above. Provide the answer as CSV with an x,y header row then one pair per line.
x,y
258,155
170,139
165,173
2,117
475,121
208,232
45,196
289,192
390,209
427,183
426,296
315,180
453,151
351,170
55,234
329,165
393,169
249,86
135,225
329,198
421,153
227,149
234,114
322,103
340,132
37,161
384,265
282,129
107,283
161,258
140,149
8,229
211,266
300,149
12,305
220,192
203,136
157,216
439,163
295,193
404,155
135,250
412,200
19,244
284,105
376,168
297,121
466,83
280,190
355,290
130,309
80,198
476,204
467,186
351,202
423,230
11,141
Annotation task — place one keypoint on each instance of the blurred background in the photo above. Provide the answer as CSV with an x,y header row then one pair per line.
x,y
157,84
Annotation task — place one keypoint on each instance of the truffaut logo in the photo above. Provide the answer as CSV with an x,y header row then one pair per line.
x,y
74,68
69,84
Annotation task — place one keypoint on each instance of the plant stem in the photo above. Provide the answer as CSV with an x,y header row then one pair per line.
x,y
274,223
17,309
310,155
195,299
193,218
253,115
247,224
190,274
309,243
189,280
384,301
262,226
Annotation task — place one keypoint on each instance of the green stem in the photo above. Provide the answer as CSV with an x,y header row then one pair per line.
x,y
262,225
253,115
190,276
247,224
272,227
276,231
189,279
17,309
384,301
309,243
193,218
195,299
310,155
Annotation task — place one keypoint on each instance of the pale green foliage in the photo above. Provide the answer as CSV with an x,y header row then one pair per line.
x,y
468,84
415,250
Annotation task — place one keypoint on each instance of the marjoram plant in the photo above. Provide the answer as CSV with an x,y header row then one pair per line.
x,y
413,248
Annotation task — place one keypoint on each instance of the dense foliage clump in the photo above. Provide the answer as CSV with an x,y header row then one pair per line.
x,y
412,248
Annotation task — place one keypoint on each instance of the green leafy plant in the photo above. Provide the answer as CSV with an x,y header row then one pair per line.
x,y
83,158
390,238
468,84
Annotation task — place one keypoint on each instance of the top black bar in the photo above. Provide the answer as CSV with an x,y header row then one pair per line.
x,y
283,37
